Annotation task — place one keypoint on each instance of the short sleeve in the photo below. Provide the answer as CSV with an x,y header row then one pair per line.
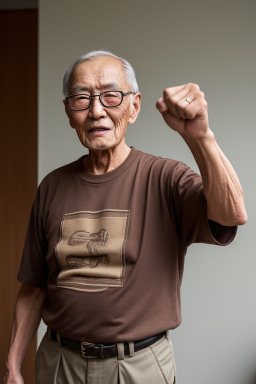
x,y
189,210
33,268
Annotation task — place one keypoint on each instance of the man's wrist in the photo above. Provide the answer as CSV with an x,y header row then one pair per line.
x,y
12,366
202,143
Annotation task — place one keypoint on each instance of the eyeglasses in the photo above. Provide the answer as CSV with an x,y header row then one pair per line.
x,y
108,99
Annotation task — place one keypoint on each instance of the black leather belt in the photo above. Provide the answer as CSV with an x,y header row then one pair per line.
x,y
92,350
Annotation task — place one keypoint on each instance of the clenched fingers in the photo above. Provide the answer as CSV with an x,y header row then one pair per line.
x,y
184,102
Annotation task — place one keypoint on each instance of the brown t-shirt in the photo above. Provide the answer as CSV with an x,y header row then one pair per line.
x,y
110,248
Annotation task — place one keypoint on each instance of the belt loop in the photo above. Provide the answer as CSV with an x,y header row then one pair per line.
x,y
58,339
120,349
167,335
131,348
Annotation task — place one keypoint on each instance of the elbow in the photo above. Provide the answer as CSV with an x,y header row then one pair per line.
x,y
230,220
239,214
242,218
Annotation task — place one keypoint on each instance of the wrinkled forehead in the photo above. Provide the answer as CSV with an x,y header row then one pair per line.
x,y
99,74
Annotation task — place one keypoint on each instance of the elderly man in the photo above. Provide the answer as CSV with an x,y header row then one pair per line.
x,y
104,254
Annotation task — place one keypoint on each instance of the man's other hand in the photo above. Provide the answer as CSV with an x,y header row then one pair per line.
x,y
13,378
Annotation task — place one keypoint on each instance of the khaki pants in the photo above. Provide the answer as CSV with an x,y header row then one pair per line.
x,y
60,365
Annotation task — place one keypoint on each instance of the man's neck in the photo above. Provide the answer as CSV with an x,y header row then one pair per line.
x,y
101,162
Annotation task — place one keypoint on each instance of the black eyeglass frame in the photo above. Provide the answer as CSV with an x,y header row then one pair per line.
x,y
100,95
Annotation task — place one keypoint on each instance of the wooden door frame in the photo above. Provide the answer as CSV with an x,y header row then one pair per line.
x,y
19,105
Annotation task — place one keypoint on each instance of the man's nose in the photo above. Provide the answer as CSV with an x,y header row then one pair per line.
x,y
96,109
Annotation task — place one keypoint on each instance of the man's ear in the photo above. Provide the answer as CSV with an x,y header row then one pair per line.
x,y
67,110
135,108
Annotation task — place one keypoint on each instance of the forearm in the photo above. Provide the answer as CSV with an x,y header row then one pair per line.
x,y
25,324
184,109
222,189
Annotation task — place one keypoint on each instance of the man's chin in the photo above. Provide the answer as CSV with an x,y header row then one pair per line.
x,y
98,146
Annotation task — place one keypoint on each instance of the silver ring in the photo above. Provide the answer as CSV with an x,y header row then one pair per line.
x,y
188,100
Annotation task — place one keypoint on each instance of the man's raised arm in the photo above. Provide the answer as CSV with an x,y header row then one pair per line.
x,y
184,109
25,323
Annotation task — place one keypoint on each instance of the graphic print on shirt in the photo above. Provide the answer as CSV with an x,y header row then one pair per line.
x,y
91,250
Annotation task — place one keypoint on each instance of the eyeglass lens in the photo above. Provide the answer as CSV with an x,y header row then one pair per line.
x,y
108,99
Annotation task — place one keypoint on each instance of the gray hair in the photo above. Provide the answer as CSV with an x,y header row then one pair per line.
x,y
128,69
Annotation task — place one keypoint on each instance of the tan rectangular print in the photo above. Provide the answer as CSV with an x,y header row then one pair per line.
x,y
91,250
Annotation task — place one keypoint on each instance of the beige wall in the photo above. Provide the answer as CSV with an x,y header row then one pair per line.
x,y
169,43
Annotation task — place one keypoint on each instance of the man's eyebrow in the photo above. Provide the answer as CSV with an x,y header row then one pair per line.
x,y
107,86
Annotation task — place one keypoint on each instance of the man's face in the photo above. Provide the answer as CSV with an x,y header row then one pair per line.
x,y
100,128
